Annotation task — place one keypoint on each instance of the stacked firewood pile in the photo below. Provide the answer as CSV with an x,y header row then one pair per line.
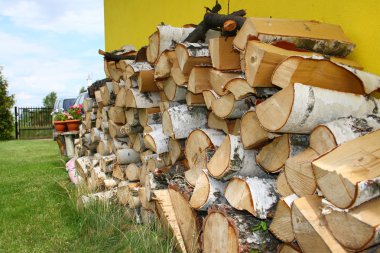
x,y
265,141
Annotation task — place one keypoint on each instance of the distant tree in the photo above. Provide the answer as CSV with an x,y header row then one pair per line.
x,y
6,104
82,89
49,100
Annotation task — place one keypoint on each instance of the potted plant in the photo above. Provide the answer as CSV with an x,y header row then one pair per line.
x,y
74,116
59,122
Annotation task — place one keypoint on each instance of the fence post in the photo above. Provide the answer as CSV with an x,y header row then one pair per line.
x,y
16,124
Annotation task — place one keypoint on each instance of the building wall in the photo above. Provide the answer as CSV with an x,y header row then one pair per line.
x,y
132,21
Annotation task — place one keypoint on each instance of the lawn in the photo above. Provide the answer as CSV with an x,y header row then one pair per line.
x,y
38,212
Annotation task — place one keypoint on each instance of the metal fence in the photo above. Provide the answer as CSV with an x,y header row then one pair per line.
x,y
33,122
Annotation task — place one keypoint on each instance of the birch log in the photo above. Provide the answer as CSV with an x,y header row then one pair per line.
x,y
127,156
281,225
172,91
223,56
231,159
310,232
273,156
227,107
228,230
253,135
135,99
350,174
117,115
179,121
114,129
324,73
228,126
300,108
318,37
83,165
133,69
164,64
282,185
176,150
364,220
207,192
190,55
219,79
239,87
195,99
200,144
132,116
150,116
86,200
253,194
157,141
132,172
145,81
107,93
163,38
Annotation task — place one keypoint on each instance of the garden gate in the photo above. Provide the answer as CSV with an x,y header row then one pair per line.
x,y
33,122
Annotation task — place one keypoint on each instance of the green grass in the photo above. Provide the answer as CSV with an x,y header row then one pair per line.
x,y
38,211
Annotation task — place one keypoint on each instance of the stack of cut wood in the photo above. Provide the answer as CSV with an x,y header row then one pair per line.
x,y
265,141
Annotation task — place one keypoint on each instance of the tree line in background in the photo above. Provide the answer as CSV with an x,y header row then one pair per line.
x,y
6,103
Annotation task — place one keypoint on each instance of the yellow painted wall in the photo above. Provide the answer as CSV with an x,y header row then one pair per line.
x,y
132,21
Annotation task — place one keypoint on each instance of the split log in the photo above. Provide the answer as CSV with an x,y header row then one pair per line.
x,y
157,141
98,176
299,173
132,116
350,174
135,99
110,183
207,192
176,150
150,116
119,172
120,143
226,125
103,148
107,163
282,185
230,159
310,232
83,166
227,107
96,135
131,130
174,92
179,78
223,56
199,79
239,87
228,230
163,38
127,156
108,94
114,129
133,69
85,200
132,172
281,225
255,195
156,162
318,37
164,64
273,156
179,121
261,60
364,220
330,135
201,144
117,115
194,99
146,82
88,104
190,55
139,144
300,108
209,96
123,191
114,72
324,73
180,194
154,182
253,135
151,128
219,79
144,201
286,248
131,82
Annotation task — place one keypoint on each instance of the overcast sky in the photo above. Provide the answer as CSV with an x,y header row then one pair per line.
x,y
50,45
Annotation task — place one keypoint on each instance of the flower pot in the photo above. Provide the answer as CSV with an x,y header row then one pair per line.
x,y
60,126
72,125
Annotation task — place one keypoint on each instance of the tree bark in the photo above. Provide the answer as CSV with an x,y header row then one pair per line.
x,y
179,121
227,107
157,141
300,108
190,55
135,99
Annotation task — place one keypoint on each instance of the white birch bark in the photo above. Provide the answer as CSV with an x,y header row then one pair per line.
x,y
147,99
127,156
169,34
185,119
161,141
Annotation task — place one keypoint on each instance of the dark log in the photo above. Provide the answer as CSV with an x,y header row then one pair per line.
x,y
109,56
213,20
